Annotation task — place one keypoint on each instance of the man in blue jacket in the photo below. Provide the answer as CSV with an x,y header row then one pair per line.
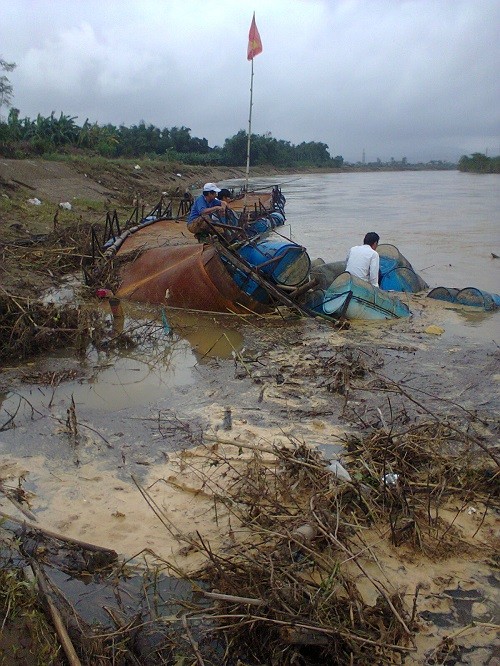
x,y
204,206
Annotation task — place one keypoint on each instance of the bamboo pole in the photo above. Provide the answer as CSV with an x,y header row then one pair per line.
x,y
59,537
57,620
247,171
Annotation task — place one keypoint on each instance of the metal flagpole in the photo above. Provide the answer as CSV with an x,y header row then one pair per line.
x,y
249,134
254,48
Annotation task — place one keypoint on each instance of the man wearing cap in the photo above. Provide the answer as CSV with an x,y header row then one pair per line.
x,y
206,204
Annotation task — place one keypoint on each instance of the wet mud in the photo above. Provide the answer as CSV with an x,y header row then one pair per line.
x,y
96,442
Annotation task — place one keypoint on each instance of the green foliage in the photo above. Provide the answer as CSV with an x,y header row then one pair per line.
x,y
24,618
213,158
264,150
235,149
479,163
6,90
103,140
45,136
89,204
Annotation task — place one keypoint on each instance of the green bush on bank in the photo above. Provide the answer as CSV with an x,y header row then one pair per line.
x,y
479,163
43,136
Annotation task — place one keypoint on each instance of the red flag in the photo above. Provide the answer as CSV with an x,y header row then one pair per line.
x,y
254,42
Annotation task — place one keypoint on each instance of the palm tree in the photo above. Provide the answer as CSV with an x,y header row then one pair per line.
x,y
6,90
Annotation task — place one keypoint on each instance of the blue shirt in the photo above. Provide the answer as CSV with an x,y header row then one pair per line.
x,y
199,206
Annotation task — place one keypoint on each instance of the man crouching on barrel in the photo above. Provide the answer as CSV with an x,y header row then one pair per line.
x,y
205,205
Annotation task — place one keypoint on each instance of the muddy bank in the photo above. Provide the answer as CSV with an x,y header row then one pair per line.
x,y
313,384
88,184
142,466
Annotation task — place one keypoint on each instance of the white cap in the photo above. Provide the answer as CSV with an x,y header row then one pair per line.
x,y
211,187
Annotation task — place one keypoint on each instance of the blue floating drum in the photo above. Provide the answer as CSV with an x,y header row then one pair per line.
x,y
284,262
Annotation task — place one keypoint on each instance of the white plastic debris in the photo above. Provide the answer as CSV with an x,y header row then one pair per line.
x,y
337,470
471,511
305,533
137,167
179,175
390,479
66,205
35,202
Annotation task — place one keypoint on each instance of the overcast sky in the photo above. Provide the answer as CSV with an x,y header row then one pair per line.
x,y
413,78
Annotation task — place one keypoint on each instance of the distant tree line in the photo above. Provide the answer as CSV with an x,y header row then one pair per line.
x,y
24,137
479,163
403,165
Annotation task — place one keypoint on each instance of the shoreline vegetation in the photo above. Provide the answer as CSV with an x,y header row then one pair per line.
x,y
48,136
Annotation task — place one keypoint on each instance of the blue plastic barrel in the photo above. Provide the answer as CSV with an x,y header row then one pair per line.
x,y
277,219
252,288
259,226
246,283
281,260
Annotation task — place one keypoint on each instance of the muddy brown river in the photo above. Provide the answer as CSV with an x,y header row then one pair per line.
x,y
81,435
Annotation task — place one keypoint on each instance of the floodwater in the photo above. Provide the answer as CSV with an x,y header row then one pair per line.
x,y
136,407
446,223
